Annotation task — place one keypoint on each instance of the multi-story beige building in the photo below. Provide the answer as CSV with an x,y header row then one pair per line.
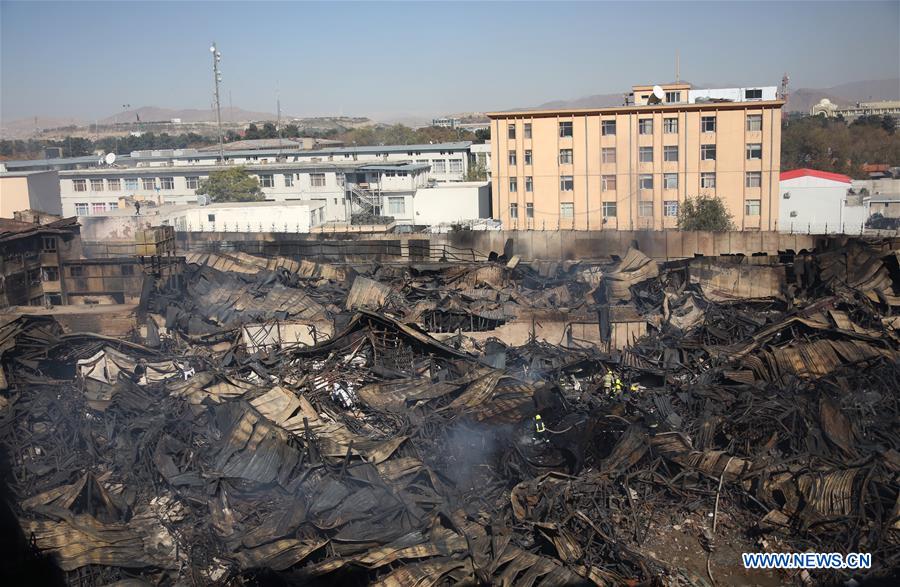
x,y
630,167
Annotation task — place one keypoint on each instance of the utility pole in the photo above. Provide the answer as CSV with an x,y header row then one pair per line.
x,y
218,78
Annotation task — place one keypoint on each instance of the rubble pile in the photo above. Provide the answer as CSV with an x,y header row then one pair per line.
x,y
320,424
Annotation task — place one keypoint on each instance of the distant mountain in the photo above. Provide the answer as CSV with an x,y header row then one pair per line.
x,y
154,114
25,127
799,100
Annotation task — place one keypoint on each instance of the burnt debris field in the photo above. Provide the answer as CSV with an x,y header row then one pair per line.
x,y
292,422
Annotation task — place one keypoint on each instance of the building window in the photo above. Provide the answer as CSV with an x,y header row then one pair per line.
x,y
513,184
645,126
341,181
76,271
755,94
167,183
607,127
148,183
210,217
439,166
708,124
396,205
566,183
670,154
96,185
113,206
127,269
317,180
708,180
670,181
511,158
98,207
754,122
514,210
527,130
113,185
511,131
645,181
527,156
609,209
754,151
608,155
608,183
193,182
673,97
645,154
266,181
529,210
565,156
48,245
752,207
670,126
670,208
708,152
456,166
645,209
288,180
131,183
79,185
753,179
81,209
567,210
565,130
529,183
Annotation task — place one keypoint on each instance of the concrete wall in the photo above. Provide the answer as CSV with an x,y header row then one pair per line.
x,y
476,245
13,195
32,191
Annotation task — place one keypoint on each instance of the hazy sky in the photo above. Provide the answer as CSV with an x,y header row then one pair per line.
x,y
382,59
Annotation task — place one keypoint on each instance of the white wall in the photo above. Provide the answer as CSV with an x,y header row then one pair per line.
x,y
734,94
43,191
452,202
268,217
818,205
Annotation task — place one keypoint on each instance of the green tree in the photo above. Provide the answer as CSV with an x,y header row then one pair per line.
x,y
231,185
476,172
252,132
483,135
704,213
268,131
889,124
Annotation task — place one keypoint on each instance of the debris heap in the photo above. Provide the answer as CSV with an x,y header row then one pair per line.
x,y
353,426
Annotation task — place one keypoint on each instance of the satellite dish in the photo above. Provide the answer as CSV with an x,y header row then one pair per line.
x,y
657,96
110,158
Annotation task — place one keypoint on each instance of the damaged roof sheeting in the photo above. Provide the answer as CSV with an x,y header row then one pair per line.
x,y
339,425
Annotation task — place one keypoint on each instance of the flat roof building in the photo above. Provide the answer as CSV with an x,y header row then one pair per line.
x,y
36,190
630,167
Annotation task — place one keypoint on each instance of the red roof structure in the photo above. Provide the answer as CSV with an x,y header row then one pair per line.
x,y
795,173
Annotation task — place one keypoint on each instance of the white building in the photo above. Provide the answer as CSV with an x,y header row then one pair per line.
x,y
340,186
817,201
448,161
245,216
449,203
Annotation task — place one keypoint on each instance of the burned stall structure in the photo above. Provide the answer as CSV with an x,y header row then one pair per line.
x,y
311,423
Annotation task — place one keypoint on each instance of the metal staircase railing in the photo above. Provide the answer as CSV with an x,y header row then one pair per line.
x,y
368,201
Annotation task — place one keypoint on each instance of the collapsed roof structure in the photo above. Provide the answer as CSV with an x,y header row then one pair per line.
x,y
326,424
